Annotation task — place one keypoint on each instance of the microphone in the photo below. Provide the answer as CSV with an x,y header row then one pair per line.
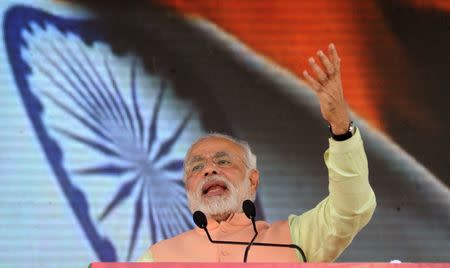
x,y
250,211
202,223
200,219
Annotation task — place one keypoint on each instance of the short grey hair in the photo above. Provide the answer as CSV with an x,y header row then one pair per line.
x,y
249,156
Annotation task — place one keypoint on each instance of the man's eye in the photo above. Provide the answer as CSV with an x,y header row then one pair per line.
x,y
223,162
197,167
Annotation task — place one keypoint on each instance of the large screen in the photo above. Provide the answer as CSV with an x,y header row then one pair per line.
x,y
100,102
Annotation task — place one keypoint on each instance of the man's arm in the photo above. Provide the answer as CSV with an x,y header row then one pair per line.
x,y
325,231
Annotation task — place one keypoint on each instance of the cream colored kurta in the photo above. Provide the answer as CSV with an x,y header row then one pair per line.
x,y
322,232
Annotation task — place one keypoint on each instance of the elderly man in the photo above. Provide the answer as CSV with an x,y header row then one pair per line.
x,y
220,173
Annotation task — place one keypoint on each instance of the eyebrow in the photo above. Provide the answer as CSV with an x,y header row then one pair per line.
x,y
220,154
197,158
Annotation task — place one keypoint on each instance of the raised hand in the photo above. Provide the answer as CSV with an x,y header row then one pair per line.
x,y
328,87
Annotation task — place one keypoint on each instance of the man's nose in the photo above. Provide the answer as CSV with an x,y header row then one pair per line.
x,y
213,172
210,169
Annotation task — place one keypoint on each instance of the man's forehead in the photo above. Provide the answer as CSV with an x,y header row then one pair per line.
x,y
214,145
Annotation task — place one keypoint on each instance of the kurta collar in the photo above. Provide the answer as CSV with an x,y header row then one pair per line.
x,y
235,219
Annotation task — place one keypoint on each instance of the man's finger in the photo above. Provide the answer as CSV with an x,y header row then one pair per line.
x,y
334,56
312,82
326,62
321,75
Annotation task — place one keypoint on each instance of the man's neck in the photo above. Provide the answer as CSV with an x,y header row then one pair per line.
x,y
221,217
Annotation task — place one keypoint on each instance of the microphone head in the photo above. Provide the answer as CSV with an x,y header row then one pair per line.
x,y
249,209
200,219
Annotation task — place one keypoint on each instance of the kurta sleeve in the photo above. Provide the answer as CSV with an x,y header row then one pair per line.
x,y
326,230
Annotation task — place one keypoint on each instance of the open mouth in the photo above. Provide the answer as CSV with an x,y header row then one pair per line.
x,y
214,188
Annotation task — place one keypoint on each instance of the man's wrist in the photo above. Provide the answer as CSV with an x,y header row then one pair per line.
x,y
342,135
339,126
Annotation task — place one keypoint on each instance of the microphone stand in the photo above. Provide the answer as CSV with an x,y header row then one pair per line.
x,y
256,244
201,221
251,242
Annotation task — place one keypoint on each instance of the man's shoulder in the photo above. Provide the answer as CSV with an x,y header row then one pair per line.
x,y
276,225
277,228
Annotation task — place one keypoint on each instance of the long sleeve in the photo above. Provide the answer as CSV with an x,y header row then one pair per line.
x,y
326,230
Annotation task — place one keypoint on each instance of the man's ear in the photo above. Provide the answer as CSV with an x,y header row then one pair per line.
x,y
254,179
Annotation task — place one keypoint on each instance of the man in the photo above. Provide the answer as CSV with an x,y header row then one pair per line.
x,y
220,173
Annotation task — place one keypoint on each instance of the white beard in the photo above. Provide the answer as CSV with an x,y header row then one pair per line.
x,y
219,206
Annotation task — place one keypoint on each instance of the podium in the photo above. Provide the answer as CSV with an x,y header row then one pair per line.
x,y
268,265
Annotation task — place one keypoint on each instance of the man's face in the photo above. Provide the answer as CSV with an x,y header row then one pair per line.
x,y
217,178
